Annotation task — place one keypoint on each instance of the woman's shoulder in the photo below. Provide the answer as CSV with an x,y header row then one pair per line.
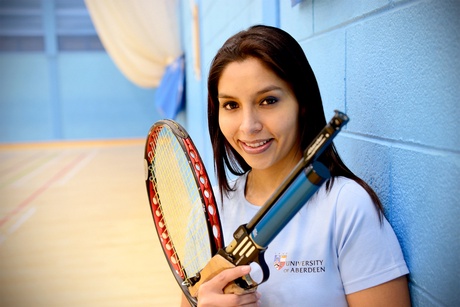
x,y
343,186
351,199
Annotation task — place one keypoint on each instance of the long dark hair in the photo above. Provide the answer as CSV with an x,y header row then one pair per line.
x,y
282,54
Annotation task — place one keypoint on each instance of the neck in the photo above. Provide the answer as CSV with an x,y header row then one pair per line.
x,y
261,184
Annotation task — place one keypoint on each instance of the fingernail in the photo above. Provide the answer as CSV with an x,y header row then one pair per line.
x,y
245,269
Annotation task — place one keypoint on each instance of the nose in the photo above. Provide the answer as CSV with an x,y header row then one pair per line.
x,y
250,121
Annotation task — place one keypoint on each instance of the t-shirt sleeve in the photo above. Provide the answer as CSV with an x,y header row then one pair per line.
x,y
368,251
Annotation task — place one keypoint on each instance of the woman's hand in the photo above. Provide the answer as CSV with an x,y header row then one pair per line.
x,y
211,293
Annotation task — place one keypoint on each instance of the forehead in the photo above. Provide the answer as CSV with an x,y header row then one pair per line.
x,y
247,74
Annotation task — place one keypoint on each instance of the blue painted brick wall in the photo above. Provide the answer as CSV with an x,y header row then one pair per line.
x,y
393,66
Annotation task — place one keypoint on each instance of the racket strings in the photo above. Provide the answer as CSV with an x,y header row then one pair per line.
x,y
180,203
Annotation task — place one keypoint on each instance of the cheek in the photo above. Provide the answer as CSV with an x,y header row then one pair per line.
x,y
290,129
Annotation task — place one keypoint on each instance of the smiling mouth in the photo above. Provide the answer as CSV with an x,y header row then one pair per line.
x,y
255,145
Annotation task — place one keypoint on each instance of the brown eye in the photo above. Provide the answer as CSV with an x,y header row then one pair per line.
x,y
269,100
230,105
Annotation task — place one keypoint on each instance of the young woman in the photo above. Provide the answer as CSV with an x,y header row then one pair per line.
x,y
264,108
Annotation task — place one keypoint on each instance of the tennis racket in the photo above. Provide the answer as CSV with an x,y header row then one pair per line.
x,y
181,201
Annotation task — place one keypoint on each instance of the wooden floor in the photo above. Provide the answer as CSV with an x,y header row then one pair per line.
x,y
76,230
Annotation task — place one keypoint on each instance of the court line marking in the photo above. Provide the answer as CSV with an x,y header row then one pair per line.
x,y
77,168
24,169
22,219
42,189
18,223
21,181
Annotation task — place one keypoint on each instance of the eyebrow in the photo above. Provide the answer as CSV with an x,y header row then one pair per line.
x,y
262,91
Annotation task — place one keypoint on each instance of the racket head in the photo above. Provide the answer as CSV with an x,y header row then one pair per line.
x,y
181,201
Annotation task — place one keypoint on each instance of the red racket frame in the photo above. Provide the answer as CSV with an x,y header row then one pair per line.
x,y
203,183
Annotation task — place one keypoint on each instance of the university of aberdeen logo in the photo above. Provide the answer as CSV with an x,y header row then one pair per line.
x,y
279,261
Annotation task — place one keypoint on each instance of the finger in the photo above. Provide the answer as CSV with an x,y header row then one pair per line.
x,y
227,300
228,275
248,299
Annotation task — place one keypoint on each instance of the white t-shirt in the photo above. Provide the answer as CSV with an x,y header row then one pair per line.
x,y
334,246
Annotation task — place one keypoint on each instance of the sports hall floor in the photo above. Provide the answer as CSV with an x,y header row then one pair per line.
x,y
76,230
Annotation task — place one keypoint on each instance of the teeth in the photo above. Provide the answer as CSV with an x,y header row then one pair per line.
x,y
254,145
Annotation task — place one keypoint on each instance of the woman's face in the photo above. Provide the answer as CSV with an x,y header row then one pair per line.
x,y
258,115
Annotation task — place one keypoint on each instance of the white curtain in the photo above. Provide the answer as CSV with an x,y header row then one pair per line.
x,y
141,36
